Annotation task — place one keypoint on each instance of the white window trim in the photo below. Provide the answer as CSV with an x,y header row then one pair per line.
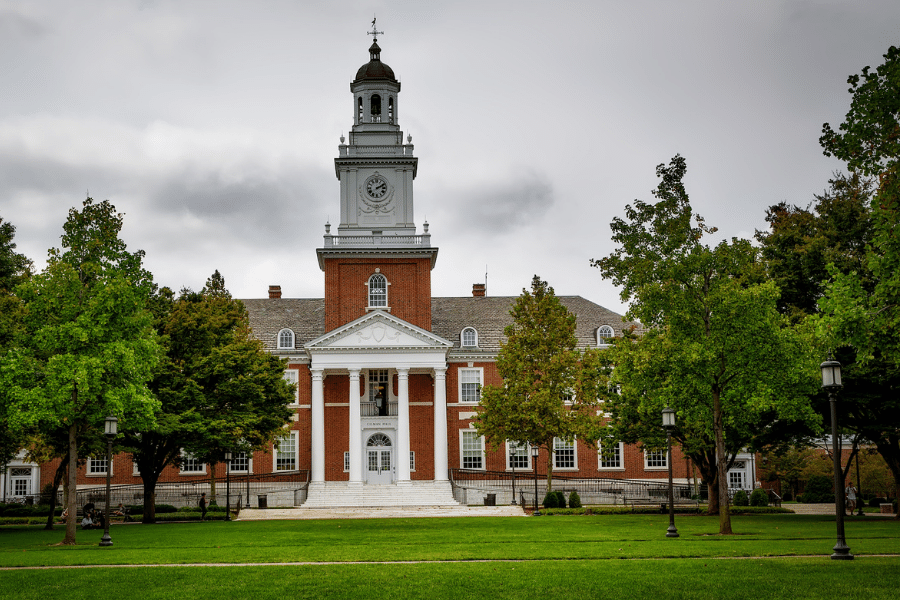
x,y
621,466
462,335
612,333
459,377
526,447
412,461
462,434
249,470
87,468
181,470
295,373
293,340
665,467
294,440
135,471
346,462
387,295
574,456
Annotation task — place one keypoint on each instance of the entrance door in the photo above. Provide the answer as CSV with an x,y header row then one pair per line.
x,y
20,478
379,463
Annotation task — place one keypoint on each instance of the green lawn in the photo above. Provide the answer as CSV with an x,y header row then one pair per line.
x,y
559,557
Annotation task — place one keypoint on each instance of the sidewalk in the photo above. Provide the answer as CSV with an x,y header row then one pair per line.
x,y
824,509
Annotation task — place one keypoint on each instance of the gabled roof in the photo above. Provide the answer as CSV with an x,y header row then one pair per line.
x,y
377,330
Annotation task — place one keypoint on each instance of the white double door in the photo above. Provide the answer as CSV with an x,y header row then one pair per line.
x,y
379,459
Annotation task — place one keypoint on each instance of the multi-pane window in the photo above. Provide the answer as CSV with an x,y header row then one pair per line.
x,y
736,479
285,339
412,460
293,376
191,464
610,456
469,385
377,291
604,333
346,462
518,455
472,450
469,337
655,459
286,453
563,453
378,390
568,396
240,462
96,466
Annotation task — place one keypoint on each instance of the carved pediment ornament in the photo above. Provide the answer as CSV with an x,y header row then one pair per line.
x,y
377,333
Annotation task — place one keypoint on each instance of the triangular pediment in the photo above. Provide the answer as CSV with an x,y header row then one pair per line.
x,y
378,329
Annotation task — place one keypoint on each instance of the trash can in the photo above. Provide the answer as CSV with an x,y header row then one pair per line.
x,y
490,500
263,501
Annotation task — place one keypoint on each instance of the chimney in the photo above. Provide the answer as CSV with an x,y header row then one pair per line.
x,y
274,291
479,289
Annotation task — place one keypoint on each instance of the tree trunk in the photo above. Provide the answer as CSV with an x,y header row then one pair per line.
x,y
149,514
73,480
57,479
721,465
706,464
549,467
888,448
212,483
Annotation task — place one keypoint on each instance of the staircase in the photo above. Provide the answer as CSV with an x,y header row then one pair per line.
x,y
342,494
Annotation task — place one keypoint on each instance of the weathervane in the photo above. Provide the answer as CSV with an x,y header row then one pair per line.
x,y
374,33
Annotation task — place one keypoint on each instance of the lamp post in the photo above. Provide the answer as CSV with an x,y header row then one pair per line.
x,y
513,452
228,485
110,428
831,381
535,450
668,418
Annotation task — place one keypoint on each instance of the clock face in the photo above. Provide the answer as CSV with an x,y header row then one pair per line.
x,y
376,188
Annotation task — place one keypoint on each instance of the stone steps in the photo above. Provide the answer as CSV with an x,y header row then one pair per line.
x,y
397,512
333,494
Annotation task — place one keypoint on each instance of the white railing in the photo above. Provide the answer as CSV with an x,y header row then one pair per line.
x,y
370,409
376,150
376,241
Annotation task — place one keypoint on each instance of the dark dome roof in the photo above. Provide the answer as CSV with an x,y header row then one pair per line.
x,y
375,69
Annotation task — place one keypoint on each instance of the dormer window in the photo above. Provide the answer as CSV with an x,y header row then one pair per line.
x,y
375,108
378,291
469,338
285,339
604,334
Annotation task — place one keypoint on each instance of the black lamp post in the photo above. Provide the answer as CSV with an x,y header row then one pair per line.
x,y
513,452
535,450
110,429
228,485
668,418
831,381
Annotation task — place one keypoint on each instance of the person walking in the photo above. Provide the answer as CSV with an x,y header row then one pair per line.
x,y
203,506
851,498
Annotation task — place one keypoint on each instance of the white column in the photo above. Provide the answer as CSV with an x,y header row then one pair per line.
x,y
317,422
403,424
440,424
355,443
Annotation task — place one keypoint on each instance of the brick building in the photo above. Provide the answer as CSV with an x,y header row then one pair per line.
x,y
388,376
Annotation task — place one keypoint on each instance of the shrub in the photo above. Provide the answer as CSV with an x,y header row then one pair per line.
x,y
876,502
740,499
550,500
759,497
574,500
164,508
818,490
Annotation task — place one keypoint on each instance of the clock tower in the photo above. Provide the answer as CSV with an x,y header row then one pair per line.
x,y
377,232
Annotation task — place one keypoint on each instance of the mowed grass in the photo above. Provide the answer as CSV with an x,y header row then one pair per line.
x,y
559,557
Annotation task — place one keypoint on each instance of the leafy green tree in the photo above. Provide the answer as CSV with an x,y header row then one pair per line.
x,y
88,347
218,388
859,317
786,465
541,368
715,348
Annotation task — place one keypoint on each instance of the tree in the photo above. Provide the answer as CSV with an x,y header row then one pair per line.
x,y
217,387
862,320
715,348
541,369
88,347
14,269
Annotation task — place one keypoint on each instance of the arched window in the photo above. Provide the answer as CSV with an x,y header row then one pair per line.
x,y
285,339
469,338
391,110
377,291
359,117
375,108
604,334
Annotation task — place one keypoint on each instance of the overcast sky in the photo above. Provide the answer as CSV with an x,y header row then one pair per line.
x,y
213,125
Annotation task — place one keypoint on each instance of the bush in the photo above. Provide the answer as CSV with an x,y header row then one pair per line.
x,y
740,499
554,499
759,497
574,500
818,490
876,502
163,508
